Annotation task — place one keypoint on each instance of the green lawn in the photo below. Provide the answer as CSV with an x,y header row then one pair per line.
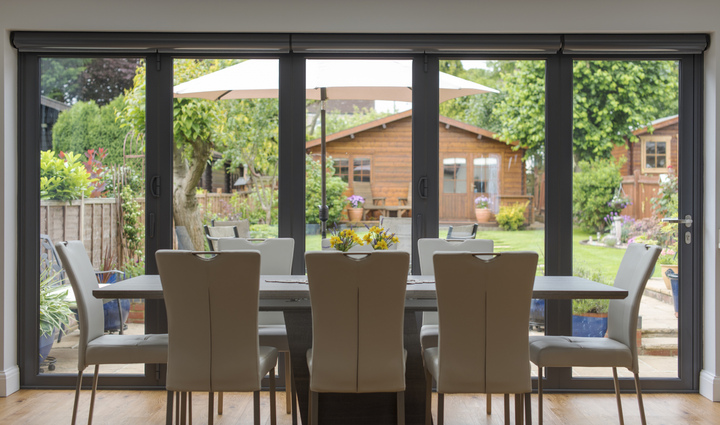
x,y
605,260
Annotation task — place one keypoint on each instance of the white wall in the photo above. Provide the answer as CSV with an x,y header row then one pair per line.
x,y
411,16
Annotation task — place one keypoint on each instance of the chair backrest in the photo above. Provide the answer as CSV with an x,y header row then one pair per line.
x,y
363,189
462,232
277,253
80,272
358,305
427,247
636,267
491,296
213,233
212,313
242,226
50,262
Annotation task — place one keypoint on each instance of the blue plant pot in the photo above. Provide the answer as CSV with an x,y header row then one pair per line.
x,y
589,326
46,343
675,286
112,319
537,312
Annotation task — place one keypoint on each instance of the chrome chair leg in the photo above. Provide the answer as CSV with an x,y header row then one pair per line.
x,y
506,399
77,397
211,408
94,390
518,408
256,407
273,407
441,409
639,397
401,408
169,408
488,404
540,402
616,383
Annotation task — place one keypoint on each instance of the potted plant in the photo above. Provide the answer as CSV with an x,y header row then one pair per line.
x,y
482,209
355,210
589,317
345,240
54,309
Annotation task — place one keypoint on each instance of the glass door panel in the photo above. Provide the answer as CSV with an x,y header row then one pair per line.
x,y
225,157
626,150
92,189
368,120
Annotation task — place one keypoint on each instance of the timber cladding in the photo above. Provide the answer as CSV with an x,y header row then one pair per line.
x,y
387,144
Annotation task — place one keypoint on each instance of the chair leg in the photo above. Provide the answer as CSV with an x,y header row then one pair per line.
x,y
211,408
273,407
528,409
401,408
94,390
220,403
256,407
428,398
169,408
639,397
313,409
540,389
77,397
441,408
488,404
288,384
506,400
616,383
518,409
177,407
190,408
183,408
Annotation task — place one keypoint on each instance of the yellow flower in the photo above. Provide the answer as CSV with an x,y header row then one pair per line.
x,y
382,245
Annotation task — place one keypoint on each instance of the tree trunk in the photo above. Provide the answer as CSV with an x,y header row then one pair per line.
x,y
186,176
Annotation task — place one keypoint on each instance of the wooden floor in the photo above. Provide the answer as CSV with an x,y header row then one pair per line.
x,y
148,407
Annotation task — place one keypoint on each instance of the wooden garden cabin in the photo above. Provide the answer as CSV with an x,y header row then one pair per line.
x,y
654,154
472,162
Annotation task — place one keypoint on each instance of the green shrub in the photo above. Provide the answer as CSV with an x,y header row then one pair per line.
x,y
63,178
335,188
512,217
263,231
594,189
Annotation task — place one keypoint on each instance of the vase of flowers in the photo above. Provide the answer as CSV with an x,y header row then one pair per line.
x,y
345,239
483,214
355,209
379,238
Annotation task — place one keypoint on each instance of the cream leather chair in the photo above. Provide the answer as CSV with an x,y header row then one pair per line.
x,y
619,348
94,347
491,295
277,258
212,313
358,305
427,247
213,234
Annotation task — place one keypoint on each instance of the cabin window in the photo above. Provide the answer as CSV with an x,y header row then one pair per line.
x,y
342,168
361,169
454,175
486,174
655,153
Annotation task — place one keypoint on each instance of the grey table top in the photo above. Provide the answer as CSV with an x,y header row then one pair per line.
x,y
419,287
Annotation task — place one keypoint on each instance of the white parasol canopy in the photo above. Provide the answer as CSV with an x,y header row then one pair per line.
x,y
325,79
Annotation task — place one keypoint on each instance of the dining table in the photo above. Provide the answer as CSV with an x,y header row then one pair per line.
x,y
290,295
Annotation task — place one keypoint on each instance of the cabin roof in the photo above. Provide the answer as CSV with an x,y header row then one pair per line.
x,y
658,124
397,117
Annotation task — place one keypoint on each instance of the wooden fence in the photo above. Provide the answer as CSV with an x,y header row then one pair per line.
x,y
640,189
95,221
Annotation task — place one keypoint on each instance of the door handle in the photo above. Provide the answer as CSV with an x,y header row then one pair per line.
x,y
422,187
687,221
155,186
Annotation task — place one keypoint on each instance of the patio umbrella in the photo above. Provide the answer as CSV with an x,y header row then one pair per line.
x,y
326,79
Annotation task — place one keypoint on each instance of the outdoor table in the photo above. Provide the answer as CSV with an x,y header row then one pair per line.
x,y
290,295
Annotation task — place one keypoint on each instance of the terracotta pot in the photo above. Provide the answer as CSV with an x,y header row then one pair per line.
x,y
355,214
483,215
664,268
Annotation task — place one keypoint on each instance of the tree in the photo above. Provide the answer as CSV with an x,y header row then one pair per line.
x,y
194,133
610,100
89,126
249,137
595,193
70,80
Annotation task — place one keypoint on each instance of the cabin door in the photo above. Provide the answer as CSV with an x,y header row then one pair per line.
x,y
455,197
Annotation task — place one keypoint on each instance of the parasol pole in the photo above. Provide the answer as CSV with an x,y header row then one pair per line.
x,y
323,171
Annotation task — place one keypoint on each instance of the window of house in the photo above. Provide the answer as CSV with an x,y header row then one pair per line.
x,y
454,175
486,172
361,169
342,168
655,153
